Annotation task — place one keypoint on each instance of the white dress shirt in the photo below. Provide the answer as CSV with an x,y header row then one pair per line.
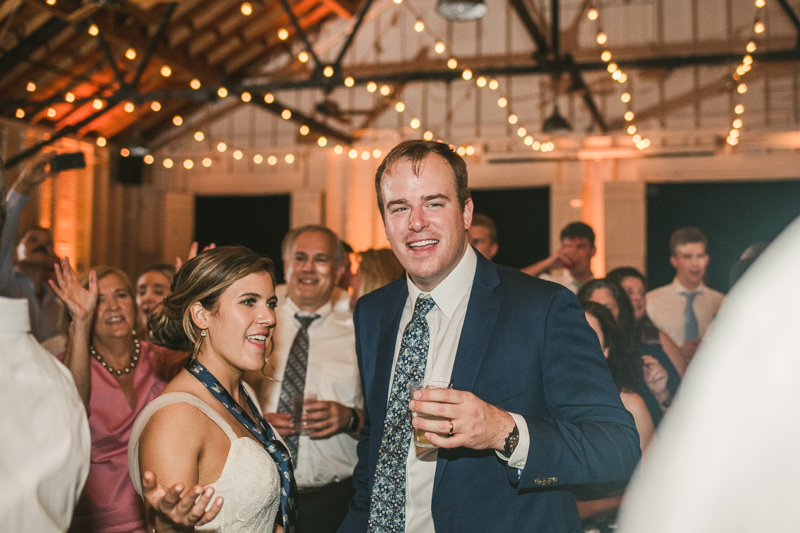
x,y
45,443
666,306
564,278
445,321
332,374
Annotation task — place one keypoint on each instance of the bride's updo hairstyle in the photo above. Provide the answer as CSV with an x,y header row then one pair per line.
x,y
202,279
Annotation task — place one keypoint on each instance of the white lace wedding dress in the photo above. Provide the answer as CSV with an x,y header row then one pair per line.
x,y
250,481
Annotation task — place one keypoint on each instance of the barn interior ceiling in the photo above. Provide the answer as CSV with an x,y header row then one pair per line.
x,y
132,72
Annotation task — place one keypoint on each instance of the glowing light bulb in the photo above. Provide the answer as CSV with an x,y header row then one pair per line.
x,y
747,60
452,63
428,135
304,130
247,9
625,97
536,145
221,147
419,26
737,123
602,38
592,14
149,159
20,113
130,53
415,123
512,118
376,153
760,3
322,141
303,56
528,140
494,84
480,81
733,141
272,160
636,138
502,102
631,129
467,74
31,87
739,109
168,163
751,47
286,114
372,87
268,98
353,153
101,141
198,136
283,34
611,67
470,149
51,112
207,162
521,132
759,27
622,77
616,74
289,158
734,133
349,81
399,107
246,97
629,115
439,47
177,120
606,55
222,92
741,88
69,97
97,103
188,164
461,151
128,107
385,90
166,71
237,154
338,149
327,71
155,106
93,30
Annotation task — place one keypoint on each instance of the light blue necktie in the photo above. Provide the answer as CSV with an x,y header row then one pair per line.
x,y
691,330
387,508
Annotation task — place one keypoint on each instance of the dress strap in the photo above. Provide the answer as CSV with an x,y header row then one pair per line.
x,y
151,409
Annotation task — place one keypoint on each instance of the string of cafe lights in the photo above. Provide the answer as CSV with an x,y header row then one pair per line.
x,y
619,76
741,70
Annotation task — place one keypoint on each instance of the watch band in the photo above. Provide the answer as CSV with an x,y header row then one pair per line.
x,y
352,425
511,442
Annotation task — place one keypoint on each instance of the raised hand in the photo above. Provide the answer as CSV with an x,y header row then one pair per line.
x,y
80,302
467,421
282,422
33,175
192,254
178,508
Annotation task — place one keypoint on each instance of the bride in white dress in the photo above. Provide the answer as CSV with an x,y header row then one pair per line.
x,y
201,454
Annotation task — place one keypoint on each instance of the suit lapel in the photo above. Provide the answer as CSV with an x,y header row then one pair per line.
x,y
387,340
479,323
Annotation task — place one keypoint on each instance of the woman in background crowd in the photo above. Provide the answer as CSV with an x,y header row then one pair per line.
x,y
206,433
376,268
113,371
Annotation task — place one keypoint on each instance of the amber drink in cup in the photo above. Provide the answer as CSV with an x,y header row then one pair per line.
x,y
419,435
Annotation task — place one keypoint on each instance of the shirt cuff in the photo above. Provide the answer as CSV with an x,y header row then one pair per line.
x,y
520,455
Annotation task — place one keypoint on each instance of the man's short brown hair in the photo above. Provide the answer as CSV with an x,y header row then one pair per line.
x,y
416,151
687,235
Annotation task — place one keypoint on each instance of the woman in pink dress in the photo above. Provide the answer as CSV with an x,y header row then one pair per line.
x,y
115,376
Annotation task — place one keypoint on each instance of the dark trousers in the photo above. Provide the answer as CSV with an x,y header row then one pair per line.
x,y
322,510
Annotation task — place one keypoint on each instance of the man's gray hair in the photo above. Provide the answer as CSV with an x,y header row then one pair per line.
x,y
288,242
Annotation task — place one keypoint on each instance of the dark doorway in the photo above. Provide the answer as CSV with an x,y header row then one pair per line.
x,y
732,215
258,222
522,217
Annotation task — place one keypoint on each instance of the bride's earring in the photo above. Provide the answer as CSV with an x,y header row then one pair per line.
x,y
203,332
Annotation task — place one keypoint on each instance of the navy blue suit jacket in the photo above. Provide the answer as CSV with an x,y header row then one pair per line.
x,y
525,347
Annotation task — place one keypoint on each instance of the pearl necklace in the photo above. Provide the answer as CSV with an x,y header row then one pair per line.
x,y
113,371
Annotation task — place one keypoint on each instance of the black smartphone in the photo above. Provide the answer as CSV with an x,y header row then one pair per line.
x,y
67,162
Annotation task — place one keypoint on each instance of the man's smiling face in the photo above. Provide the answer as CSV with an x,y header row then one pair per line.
x,y
424,223
311,270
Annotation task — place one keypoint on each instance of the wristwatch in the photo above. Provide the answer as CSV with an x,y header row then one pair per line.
x,y
354,421
511,442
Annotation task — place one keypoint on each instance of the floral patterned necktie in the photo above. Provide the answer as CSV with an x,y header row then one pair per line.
x,y
262,431
387,509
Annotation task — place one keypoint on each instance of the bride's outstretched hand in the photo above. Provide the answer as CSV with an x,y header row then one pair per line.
x,y
80,302
178,505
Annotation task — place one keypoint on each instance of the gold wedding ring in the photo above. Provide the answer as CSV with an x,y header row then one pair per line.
x,y
451,428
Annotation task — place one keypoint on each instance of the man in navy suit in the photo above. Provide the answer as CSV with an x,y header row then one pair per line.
x,y
532,413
